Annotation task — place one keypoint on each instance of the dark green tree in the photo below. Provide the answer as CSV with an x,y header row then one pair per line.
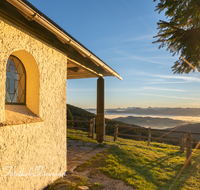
x,y
181,32
69,117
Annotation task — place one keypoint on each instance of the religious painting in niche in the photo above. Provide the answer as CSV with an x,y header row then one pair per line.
x,y
15,81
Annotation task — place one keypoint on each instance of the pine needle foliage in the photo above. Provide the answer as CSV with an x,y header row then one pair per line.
x,y
181,31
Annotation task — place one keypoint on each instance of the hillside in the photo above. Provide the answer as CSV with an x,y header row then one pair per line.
x,y
152,122
83,115
189,127
80,113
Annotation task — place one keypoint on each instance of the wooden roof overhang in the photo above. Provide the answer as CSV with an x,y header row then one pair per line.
x,y
82,63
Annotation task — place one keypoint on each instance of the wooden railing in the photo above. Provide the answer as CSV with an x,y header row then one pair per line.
x,y
91,130
181,140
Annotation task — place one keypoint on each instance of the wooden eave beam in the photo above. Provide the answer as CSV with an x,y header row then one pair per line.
x,y
11,14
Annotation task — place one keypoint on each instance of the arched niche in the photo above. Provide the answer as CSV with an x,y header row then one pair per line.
x,y
32,79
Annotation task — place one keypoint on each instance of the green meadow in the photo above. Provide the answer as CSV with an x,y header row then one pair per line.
x,y
159,167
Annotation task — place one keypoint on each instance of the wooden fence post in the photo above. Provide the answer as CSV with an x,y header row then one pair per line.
x,y
93,128
189,150
140,135
116,132
182,142
90,129
192,141
149,136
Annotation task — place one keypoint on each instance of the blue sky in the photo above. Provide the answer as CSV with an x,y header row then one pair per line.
x,y
120,32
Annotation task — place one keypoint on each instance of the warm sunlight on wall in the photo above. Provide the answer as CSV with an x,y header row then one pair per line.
x,y
32,79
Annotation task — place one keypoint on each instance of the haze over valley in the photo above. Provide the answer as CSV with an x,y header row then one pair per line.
x,y
159,118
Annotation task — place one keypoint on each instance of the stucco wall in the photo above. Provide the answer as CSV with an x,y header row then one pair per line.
x,y
35,149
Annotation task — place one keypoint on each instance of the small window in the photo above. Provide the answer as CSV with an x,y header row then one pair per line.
x,y
15,81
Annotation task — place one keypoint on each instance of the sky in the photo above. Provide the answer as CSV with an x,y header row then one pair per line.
x,y
120,32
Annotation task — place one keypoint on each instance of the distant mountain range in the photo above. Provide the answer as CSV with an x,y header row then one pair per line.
x,y
156,111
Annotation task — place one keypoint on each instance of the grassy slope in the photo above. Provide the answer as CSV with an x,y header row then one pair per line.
x,y
144,167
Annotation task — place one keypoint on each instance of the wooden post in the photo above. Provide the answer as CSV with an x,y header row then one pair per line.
x,y
182,142
189,150
90,129
116,132
140,135
93,127
100,124
149,136
104,130
191,141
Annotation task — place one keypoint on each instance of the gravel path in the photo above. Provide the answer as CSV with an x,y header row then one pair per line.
x,y
108,183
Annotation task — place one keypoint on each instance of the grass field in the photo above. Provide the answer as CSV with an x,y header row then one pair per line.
x,y
158,167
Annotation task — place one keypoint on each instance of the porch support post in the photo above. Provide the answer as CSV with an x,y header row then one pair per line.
x,y
100,124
